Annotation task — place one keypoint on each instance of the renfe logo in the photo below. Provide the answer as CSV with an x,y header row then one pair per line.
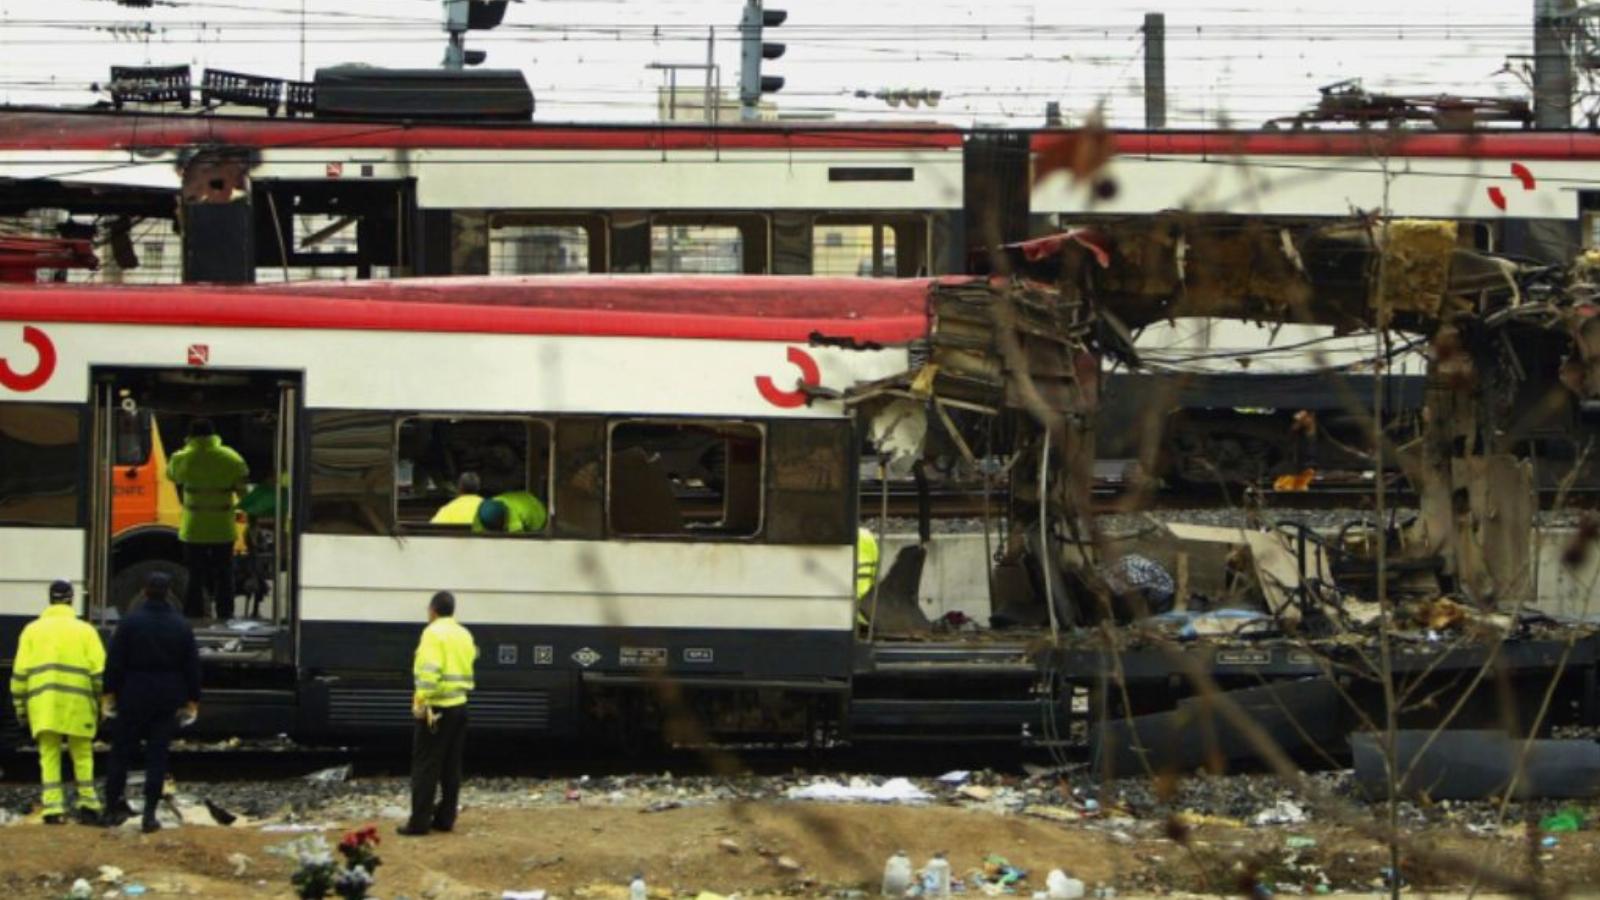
x,y
810,376
22,382
1523,174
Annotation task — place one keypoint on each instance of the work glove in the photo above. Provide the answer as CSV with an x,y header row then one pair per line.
x,y
419,710
108,707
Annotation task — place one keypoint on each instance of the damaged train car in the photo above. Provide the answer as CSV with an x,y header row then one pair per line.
x,y
1283,622
699,445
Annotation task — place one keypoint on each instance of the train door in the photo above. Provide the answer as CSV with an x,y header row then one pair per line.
x,y
139,418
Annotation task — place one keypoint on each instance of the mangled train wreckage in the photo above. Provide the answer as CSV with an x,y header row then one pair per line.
x,y
693,581
1290,620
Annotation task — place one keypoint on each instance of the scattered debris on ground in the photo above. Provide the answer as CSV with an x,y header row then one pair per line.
x,y
703,836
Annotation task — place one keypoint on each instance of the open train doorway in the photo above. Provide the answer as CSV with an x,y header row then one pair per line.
x,y
238,594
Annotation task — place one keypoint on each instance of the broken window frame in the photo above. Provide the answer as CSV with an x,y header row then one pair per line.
x,y
542,491
756,534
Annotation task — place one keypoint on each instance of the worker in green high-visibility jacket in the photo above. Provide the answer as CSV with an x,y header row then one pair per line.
x,y
513,512
209,475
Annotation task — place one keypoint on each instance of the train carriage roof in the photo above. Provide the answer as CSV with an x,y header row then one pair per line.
x,y
758,308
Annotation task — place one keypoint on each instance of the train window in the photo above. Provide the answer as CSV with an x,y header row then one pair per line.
x,y
133,437
865,250
880,247
538,249
712,249
39,480
508,458
713,243
684,479
351,472
522,243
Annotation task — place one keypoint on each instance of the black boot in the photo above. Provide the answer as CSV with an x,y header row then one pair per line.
x,y
116,814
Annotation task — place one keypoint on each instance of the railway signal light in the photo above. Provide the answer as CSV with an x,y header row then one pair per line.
x,y
461,16
752,84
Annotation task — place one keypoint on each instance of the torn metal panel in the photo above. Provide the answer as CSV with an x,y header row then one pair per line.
x,y
1177,265
1415,269
896,609
1304,717
1495,530
1473,765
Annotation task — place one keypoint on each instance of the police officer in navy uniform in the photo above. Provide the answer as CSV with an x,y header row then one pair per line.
x,y
152,675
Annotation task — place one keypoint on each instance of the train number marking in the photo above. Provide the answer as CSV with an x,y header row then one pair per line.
x,y
1243,657
698,654
586,657
544,655
22,382
508,654
199,354
810,376
643,657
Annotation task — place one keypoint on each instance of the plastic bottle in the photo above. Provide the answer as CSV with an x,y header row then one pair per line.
x,y
637,890
897,875
936,876
1060,887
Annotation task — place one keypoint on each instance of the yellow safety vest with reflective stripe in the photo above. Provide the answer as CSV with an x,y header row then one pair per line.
x,y
866,562
443,666
208,472
460,511
56,676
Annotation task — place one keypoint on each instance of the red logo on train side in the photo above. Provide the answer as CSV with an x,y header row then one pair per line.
x,y
1523,174
23,382
810,376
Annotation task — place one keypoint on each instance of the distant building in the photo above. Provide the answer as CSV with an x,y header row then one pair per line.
x,y
687,104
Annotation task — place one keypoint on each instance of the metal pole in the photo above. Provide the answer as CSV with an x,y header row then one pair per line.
x,y
1552,64
1155,70
1046,562
711,61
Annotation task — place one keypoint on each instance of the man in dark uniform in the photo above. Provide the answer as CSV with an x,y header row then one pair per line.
x,y
152,674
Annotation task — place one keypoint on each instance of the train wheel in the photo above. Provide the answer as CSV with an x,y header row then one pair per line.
x,y
127,584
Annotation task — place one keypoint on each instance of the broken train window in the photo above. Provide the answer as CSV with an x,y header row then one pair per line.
x,y
677,479
432,453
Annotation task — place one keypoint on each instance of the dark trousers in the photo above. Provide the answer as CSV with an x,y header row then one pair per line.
x,y
436,768
210,570
155,728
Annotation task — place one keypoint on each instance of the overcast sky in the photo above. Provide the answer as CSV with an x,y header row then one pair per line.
x,y
996,62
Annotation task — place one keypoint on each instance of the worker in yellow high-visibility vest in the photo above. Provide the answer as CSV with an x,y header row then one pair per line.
x,y
55,690
442,672
866,572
